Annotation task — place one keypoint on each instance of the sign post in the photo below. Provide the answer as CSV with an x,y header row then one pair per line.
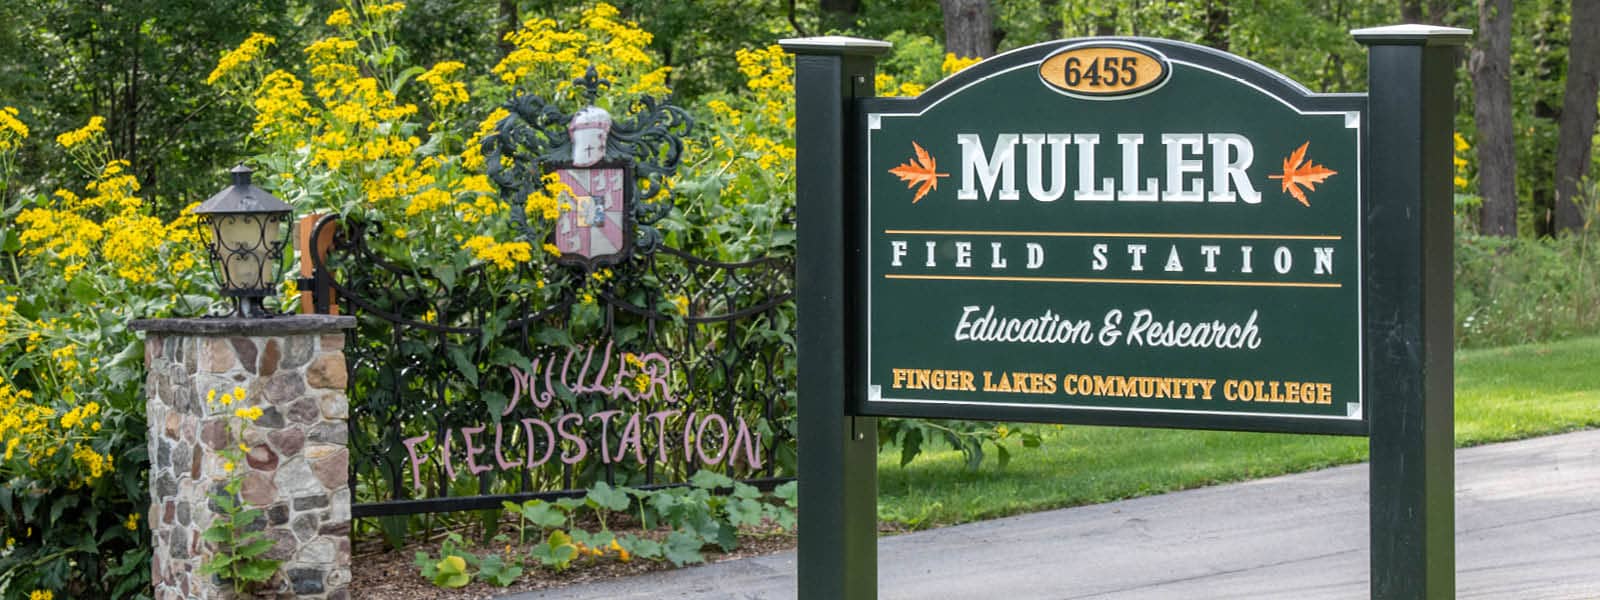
x,y
1411,76
838,450
1131,232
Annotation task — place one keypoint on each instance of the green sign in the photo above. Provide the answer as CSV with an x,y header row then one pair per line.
x,y
1115,232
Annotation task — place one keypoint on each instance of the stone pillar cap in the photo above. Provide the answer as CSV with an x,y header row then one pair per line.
x,y
233,326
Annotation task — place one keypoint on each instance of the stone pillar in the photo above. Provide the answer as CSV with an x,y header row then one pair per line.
x,y
298,464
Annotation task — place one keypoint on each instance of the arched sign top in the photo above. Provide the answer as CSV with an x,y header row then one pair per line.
x,y
1105,70
1049,60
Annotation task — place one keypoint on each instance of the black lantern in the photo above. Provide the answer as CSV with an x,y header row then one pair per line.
x,y
247,229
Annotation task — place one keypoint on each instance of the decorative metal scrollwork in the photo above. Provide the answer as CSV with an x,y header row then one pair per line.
x,y
538,138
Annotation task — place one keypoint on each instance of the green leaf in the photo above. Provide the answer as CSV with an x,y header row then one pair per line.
x,y
253,549
709,480
506,356
219,562
246,517
61,504
451,572
683,549
458,357
257,570
553,336
404,77
215,534
543,514
607,497
426,565
492,569
129,355
556,552
788,492
910,446
727,537
642,547
744,512
494,403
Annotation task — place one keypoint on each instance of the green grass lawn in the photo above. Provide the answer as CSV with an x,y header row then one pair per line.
x,y
1501,394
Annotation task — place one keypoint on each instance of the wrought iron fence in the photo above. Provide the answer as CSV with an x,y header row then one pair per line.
x,y
640,364
708,340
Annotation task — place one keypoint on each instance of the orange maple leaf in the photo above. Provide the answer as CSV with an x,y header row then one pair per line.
x,y
921,172
1297,171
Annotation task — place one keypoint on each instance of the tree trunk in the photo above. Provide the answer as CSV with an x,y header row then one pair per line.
x,y
1411,11
509,22
1432,12
968,28
1053,26
1575,135
840,14
1217,20
1491,82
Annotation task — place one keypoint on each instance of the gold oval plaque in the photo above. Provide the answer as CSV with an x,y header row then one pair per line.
x,y
1105,70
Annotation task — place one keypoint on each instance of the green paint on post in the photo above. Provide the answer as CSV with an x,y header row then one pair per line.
x,y
838,559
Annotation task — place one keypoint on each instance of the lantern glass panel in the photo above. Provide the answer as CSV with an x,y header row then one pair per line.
x,y
249,251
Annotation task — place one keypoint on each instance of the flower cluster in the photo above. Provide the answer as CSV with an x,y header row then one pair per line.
x,y
617,49
136,247
102,248
239,59
444,82
12,130
504,255
33,433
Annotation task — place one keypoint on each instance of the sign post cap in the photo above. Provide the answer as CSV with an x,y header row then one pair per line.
x,y
835,45
1412,34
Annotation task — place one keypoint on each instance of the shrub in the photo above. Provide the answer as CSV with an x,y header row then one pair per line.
x,y
75,266
1523,290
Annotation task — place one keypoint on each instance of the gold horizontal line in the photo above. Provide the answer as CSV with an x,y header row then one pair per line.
x,y
1112,280
1222,236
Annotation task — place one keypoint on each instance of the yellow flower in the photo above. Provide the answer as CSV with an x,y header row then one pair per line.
x,y
211,396
10,125
244,448
504,256
381,10
77,137
240,57
953,63
42,595
238,393
682,302
249,414
446,87
339,18
132,523
227,467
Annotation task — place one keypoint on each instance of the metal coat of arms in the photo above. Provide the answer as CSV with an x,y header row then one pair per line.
x,y
605,215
